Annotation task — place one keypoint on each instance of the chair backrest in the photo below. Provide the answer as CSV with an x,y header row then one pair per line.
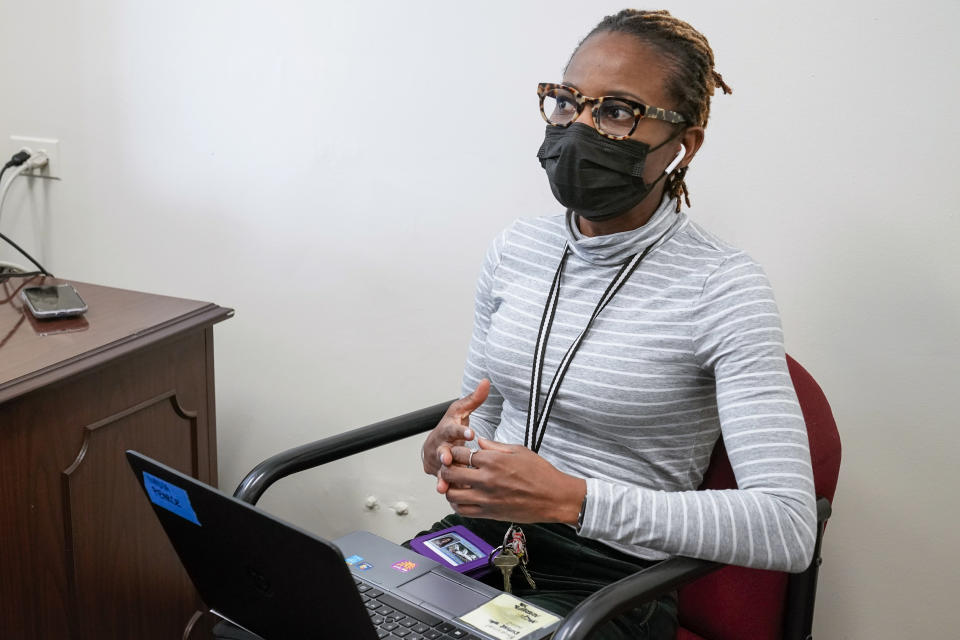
x,y
735,602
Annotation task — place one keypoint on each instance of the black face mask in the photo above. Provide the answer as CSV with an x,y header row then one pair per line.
x,y
597,177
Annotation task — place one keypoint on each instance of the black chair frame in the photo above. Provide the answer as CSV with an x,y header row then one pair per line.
x,y
608,602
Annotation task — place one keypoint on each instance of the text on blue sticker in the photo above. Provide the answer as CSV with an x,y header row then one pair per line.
x,y
170,497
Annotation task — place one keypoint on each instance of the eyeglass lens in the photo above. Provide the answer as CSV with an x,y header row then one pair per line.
x,y
615,116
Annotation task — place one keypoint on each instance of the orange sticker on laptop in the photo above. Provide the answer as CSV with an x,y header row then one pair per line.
x,y
405,566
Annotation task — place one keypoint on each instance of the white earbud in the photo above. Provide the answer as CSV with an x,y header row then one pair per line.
x,y
676,161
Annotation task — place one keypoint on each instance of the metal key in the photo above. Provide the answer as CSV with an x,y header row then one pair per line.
x,y
506,561
526,574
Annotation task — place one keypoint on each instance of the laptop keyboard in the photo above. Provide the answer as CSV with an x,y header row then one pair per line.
x,y
397,619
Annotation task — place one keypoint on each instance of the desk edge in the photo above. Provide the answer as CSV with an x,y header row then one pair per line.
x,y
207,315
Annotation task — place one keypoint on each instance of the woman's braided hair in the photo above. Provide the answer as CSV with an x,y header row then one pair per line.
x,y
689,58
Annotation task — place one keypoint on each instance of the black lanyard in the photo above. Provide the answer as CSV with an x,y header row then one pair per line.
x,y
537,419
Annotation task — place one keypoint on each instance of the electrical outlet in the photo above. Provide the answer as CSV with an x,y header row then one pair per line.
x,y
49,146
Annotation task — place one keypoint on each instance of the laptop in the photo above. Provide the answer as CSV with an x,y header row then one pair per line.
x,y
280,582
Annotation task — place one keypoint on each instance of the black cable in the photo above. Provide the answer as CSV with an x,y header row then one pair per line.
x,y
9,335
16,160
26,274
25,255
8,299
11,296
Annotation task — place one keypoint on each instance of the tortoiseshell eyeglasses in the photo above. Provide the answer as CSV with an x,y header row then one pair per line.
x,y
614,116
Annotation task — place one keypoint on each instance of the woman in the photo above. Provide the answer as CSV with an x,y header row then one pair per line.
x,y
614,344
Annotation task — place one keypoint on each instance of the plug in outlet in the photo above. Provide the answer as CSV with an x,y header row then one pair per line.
x,y
49,146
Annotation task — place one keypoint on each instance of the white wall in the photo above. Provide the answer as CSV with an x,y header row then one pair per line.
x,y
334,172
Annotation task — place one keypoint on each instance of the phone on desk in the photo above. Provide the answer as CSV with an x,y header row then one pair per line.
x,y
54,301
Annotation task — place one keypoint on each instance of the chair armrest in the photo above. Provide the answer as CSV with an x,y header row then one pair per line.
x,y
630,592
824,510
802,587
661,578
335,447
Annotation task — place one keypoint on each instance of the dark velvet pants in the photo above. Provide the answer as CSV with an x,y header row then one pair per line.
x,y
567,569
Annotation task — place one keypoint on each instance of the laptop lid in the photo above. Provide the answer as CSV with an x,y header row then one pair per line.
x,y
279,581
255,570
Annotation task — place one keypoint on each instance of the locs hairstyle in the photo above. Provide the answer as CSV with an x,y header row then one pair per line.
x,y
689,58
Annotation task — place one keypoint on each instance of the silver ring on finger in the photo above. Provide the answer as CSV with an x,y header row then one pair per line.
x,y
470,459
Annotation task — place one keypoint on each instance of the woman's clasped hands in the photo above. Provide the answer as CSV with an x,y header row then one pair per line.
x,y
497,481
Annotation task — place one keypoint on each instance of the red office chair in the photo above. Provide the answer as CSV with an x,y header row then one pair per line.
x,y
735,602
717,602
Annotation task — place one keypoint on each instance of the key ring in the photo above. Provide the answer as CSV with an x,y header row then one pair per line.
x,y
493,554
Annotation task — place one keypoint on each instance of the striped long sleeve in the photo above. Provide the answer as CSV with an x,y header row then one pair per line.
x,y
485,418
769,521
689,351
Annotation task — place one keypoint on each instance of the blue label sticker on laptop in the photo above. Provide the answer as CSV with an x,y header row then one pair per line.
x,y
170,497
364,566
354,559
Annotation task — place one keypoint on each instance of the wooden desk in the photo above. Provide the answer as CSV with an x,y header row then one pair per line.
x,y
81,554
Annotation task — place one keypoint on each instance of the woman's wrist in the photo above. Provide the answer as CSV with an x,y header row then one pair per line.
x,y
570,504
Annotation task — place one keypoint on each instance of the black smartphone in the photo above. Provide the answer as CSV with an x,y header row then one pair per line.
x,y
54,301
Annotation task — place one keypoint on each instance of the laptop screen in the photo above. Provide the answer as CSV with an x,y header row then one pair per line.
x,y
253,569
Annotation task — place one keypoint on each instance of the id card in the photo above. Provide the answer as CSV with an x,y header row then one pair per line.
x,y
457,548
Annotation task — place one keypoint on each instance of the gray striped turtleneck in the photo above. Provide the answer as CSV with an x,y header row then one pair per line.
x,y
688,351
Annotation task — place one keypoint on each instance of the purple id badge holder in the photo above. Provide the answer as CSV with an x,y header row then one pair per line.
x,y
457,548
